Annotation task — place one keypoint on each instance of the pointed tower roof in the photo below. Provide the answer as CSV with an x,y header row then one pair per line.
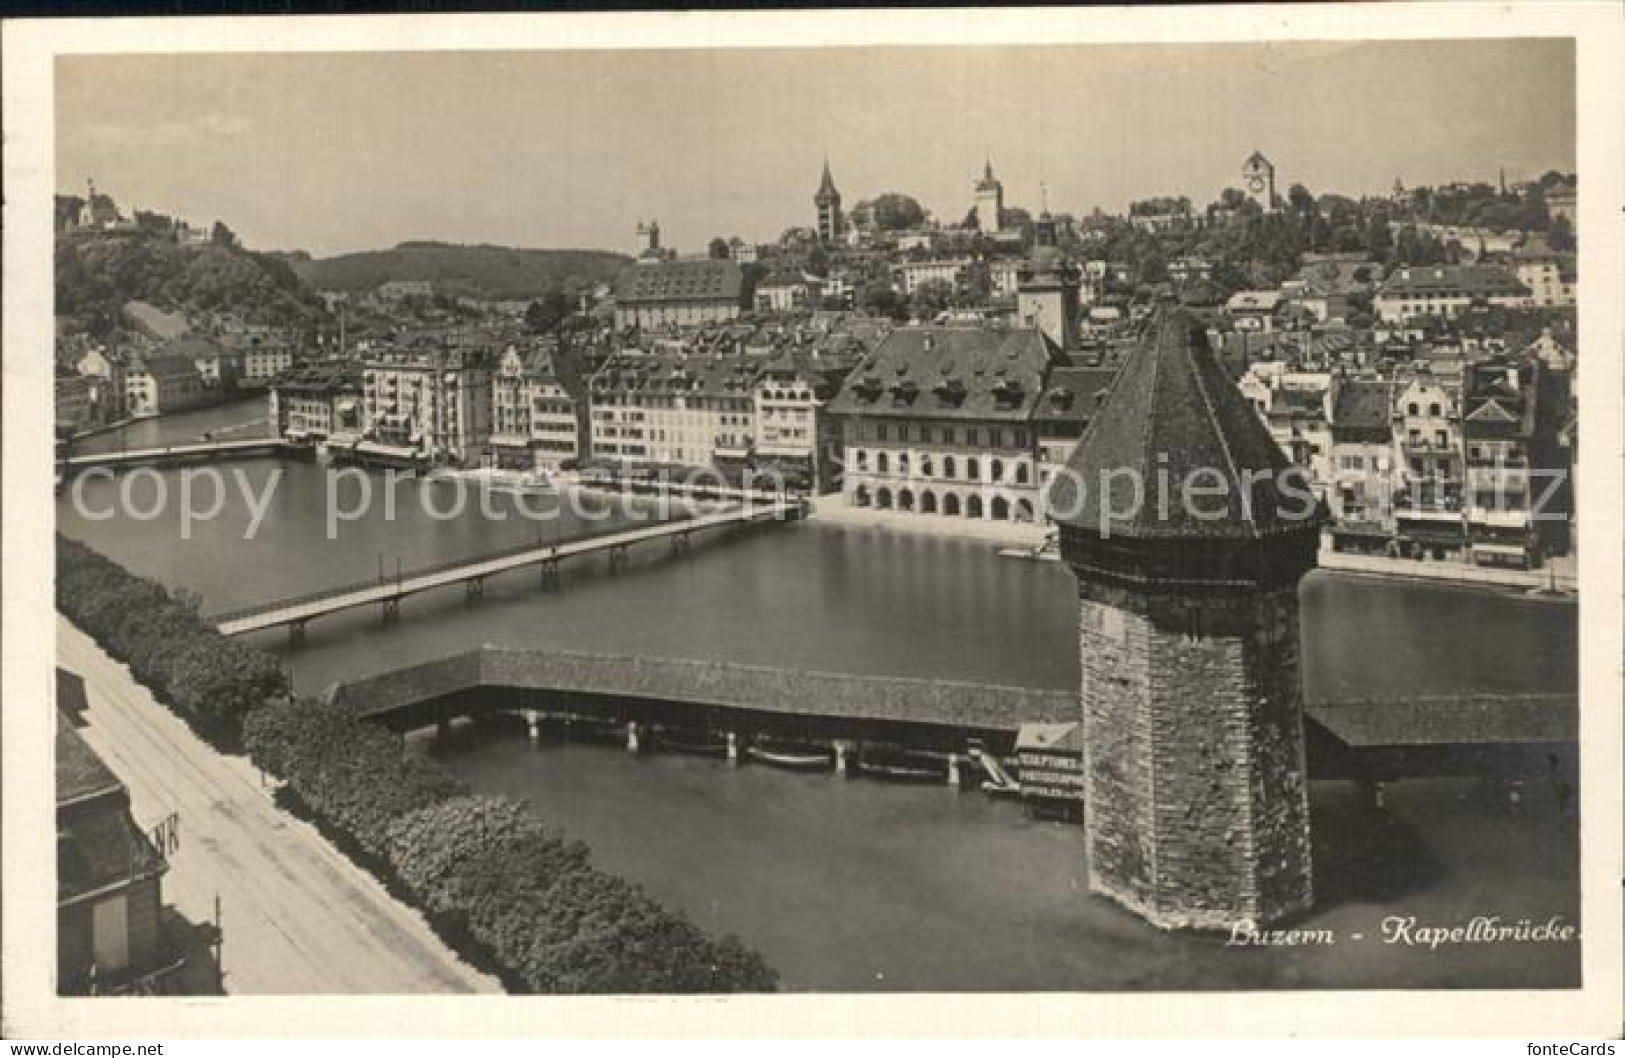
x,y
1171,412
826,187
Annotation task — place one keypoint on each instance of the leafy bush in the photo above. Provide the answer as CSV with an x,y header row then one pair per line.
x,y
213,680
484,865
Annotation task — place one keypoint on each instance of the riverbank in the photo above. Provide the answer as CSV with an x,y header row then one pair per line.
x,y
298,916
835,509
1557,582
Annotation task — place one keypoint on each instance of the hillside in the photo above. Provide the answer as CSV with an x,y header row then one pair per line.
x,y
98,273
495,272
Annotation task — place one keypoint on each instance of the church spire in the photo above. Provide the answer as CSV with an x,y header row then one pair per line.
x,y
826,186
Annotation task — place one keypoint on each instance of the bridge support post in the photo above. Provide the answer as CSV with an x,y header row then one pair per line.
x,y
840,746
550,573
733,748
475,587
1375,793
391,609
533,725
617,557
953,769
679,543
633,744
296,632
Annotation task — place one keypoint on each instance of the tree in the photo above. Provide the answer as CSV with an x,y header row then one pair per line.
x,y
818,261
879,299
221,235
547,312
972,221
932,297
894,211
1560,236
718,249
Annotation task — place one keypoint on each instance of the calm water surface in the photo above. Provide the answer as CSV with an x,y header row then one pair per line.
x,y
859,885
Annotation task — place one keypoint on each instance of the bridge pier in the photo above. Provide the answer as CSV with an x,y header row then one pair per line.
x,y
840,746
679,543
533,725
617,557
953,769
733,748
633,744
475,587
391,609
296,632
550,573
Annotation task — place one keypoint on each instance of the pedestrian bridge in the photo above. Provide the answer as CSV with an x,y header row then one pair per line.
x,y
387,592
1377,740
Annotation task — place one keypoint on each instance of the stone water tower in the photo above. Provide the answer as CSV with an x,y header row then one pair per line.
x,y
1197,810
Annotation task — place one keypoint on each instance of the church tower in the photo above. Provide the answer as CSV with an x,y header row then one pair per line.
x,y
989,200
1258,177
1196,812
828,202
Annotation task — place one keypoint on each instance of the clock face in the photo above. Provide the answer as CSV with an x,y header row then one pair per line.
x,y
1255,184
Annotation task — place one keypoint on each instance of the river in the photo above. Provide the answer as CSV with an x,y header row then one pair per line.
x,y
860,885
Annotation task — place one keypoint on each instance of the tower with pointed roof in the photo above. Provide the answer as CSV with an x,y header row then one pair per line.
x,y
828,203
989,200
1188,533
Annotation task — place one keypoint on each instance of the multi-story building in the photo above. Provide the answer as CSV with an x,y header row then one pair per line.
x,y
666,294
787,291
989,205
791,433
109,900
1509,441
939,420
264,357
911,275
1047,297
1059,419
1550,276
1446,290
317,402
675,408
219,368
1360,496
158,385
1427,457
426,403
534,418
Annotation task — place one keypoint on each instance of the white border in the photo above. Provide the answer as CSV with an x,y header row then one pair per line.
x,y
28,882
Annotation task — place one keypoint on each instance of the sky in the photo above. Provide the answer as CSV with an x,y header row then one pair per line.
x,y
331,153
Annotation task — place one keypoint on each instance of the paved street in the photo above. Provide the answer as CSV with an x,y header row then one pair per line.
x,y
297,916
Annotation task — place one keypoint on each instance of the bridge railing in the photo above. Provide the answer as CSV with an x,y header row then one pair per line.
x,y
417,572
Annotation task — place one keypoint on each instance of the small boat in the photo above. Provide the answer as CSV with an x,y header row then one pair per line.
x,y
591,730
798,755
903,765
697,743
1046,550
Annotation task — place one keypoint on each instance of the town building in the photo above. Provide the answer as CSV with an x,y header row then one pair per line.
x,y
112,365
1361,495
1446,290
111,938
316,402
939,420
264,357
827,201
535,422
674,408
1550,276
425,403
219,368
1509,433
1196,810
787,291
1071,397
912,275
664,294
1426,430
158,385
1253,310
791,433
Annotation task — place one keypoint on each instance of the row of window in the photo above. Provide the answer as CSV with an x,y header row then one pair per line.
x,y
883,464
925,433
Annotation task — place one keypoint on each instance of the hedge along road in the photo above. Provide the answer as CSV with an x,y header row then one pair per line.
x,y
297,915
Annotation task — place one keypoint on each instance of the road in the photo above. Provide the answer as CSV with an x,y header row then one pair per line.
x,y
297,916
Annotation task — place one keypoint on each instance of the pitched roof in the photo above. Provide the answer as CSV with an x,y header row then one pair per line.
x,y
80,773
1074,394
1361,405
826,187
699,280
950,373
1173,410
1485,280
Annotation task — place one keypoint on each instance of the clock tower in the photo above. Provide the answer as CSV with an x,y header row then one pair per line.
x,y
1258,178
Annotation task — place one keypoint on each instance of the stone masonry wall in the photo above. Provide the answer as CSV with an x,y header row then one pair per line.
x,y
1192,711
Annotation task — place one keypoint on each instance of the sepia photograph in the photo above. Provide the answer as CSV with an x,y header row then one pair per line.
x,y
958,516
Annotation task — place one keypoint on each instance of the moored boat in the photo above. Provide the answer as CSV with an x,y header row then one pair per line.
x,y
801,756
903,765
696,743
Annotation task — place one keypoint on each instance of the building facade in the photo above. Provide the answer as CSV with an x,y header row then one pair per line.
x,y
989,203
667,294
159,385
426,403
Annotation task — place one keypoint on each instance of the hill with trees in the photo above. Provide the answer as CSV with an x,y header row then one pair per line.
x,y
98,272
498,273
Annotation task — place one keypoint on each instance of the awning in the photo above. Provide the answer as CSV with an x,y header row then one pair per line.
x,y
1503,550
1433,533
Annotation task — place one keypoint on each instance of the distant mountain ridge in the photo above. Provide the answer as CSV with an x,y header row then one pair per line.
x,y
486,271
